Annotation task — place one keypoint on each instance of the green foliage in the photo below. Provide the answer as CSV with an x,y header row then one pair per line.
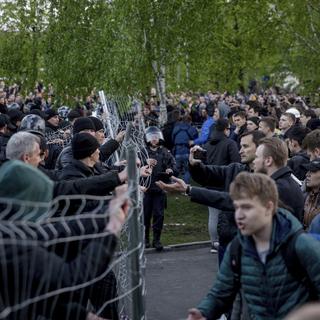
x,y
221,44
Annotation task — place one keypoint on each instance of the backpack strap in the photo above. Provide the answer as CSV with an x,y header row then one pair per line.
x,y
290,256
235,256
293,263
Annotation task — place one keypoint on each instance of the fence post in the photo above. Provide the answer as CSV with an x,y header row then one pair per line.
x,y
107,118
126,141
136,238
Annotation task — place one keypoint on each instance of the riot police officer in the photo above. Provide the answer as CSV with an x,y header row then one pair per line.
x,y
154,201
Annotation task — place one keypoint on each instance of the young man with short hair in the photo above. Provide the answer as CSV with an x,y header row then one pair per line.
x,y
269,288
271,159
240,121
286,122
299,157
267,125
311,144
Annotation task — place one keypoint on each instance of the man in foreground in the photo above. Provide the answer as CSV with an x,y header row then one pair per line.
x,y
260,270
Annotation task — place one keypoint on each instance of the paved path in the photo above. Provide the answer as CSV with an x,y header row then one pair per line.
x,y
176,280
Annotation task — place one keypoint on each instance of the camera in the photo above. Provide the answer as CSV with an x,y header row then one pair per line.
x,y
200,155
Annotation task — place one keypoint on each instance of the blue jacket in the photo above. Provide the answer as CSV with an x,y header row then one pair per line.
x,y
181,134
205,131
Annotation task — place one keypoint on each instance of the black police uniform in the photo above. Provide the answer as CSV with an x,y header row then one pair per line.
x,y
154,201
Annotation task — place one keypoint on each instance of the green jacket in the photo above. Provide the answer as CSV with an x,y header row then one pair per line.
x,y
270,291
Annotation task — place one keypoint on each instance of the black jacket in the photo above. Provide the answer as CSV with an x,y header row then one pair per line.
x,y
77,169
221,150
215,176
96,185
165,160
106,151
237,137
296,164
4,138
30,270
219,178
289,191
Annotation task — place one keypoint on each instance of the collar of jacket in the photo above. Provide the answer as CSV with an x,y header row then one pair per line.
x,y
302,154
281,173
79,165
49,125
283,225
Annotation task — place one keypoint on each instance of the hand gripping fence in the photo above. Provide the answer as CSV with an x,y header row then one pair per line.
x,y
58,266
57,261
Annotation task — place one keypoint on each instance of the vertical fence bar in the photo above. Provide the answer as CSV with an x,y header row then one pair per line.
x,y
135,238
107,118
126,141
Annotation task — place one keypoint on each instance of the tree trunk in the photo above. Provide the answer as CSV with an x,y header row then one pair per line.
x,y
160,74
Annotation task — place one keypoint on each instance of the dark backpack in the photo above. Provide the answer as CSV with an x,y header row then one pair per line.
x,y
290,258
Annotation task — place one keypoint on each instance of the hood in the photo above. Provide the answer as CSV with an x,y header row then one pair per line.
x,y
216,137
284,225
26,183
224,109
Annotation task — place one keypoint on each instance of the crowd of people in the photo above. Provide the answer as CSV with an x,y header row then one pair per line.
x,y
256,158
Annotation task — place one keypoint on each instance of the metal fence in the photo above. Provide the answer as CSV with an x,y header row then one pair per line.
x,y
44,261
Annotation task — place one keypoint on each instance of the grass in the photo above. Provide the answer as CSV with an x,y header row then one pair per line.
x,y
185,221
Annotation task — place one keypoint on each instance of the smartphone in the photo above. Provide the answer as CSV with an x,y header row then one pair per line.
x,y
200,155
164,177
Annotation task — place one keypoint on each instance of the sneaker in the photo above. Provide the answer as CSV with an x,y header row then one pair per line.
x,y
216,244
147,245
213,250
214,247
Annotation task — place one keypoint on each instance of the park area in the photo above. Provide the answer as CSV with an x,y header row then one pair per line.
x,y
154,151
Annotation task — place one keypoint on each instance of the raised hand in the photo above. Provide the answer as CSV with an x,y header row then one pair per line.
x,y
192,160
178,185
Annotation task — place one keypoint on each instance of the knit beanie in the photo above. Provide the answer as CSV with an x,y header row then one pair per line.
x,y
15,115
83,123
83,145
97,123
73,114
255,120
16,176
51,113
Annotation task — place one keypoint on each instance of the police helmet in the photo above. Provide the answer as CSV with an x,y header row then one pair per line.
x,y
63,112
14,106
34,124
153,133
